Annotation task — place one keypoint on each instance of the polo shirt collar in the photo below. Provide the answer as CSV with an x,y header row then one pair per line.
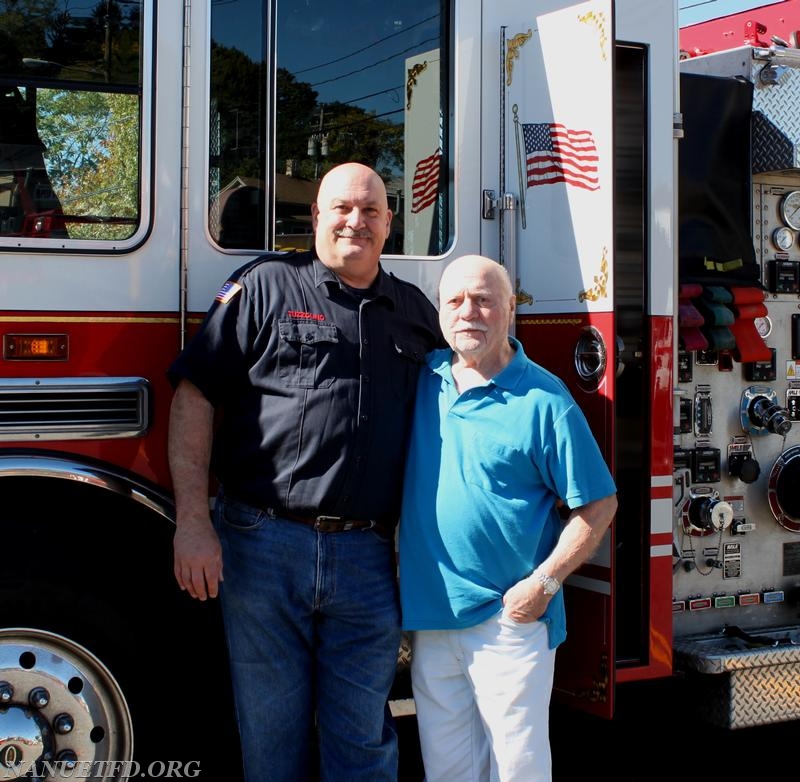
x,y
439,362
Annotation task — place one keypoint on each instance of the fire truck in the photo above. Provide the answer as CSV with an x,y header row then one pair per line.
x,y
633,165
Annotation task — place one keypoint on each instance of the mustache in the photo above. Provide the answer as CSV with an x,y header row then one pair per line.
x,y
347,233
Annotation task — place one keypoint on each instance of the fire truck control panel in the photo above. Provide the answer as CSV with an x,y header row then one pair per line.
x,y
736,494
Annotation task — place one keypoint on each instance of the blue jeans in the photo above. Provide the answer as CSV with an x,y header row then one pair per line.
x,y
313,627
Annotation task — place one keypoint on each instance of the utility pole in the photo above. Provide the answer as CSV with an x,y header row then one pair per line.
x,y
318,143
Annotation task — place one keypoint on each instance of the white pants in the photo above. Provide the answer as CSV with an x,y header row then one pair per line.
x,y
482,697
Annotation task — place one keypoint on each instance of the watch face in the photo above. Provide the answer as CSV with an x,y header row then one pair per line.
x,y
549,584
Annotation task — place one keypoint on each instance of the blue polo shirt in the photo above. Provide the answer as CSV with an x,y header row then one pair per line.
x,y
484,471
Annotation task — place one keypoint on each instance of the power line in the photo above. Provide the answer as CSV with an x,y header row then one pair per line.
x,y
375,43
371,95
377,62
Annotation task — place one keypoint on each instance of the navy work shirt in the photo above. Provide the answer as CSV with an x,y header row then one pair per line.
x,y
315,384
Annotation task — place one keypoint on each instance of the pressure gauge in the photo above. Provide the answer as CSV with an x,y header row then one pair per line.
x,y
763,325
790,209
783,238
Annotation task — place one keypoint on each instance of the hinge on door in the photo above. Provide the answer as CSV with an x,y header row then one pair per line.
x,y
490,205
677,125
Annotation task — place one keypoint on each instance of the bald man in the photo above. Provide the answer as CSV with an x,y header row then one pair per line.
x,y
312,361
497,444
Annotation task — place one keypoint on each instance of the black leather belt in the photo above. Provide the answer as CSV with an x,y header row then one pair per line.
x,y
334,523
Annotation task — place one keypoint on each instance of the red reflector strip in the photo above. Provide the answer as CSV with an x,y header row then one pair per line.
x,y
35,347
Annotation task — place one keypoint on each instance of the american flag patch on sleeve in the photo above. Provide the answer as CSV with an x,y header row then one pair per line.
x,y
227,292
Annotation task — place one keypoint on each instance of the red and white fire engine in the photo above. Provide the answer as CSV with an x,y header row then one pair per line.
x,y
640,181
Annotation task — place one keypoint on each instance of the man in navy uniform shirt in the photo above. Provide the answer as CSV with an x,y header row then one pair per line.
x,y
297,393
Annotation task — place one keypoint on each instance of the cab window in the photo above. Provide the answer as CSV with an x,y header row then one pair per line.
x,y
300,86
70,106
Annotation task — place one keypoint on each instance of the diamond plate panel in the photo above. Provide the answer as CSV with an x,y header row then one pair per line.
x,y
721,654
741,685
776,121
746,698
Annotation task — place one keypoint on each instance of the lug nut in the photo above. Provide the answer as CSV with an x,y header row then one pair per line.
x,y
68,758
63,723
6,692
39,697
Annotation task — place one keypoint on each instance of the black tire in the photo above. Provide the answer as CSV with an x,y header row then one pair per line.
x,y
96,568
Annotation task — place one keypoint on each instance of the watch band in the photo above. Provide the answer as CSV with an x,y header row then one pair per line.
x,y
550,584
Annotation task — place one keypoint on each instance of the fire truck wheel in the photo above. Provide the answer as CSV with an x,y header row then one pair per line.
x,y
88,576
60,705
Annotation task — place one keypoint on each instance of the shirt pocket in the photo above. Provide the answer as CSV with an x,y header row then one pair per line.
x,y
495,467
409,356
306,353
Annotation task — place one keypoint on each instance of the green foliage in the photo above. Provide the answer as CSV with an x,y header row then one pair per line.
x,y
92,158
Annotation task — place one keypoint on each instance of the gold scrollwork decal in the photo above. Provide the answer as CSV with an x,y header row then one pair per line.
x,y
512,52
598,19
523,297
411,82
599,290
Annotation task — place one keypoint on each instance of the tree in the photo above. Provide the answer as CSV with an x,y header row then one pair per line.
x,y
92,157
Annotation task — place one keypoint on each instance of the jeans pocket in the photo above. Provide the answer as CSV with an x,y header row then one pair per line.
x,y
241,517
380,536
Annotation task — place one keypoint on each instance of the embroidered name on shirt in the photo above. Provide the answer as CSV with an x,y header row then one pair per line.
x,y
306,315
227,292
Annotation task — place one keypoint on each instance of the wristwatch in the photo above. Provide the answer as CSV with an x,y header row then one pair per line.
x,y
550,584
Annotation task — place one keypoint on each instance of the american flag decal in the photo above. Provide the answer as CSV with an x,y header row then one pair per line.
x,y
425,187
555,153
227,292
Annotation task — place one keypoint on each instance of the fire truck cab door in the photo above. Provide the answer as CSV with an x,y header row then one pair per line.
x,y
547,141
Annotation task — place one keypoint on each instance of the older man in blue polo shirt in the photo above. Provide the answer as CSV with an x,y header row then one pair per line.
x,y
497,443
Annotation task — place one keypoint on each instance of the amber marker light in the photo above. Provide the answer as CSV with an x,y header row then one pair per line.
x,y
35,347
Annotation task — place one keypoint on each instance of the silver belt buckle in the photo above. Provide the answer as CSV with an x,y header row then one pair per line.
x,y
320,520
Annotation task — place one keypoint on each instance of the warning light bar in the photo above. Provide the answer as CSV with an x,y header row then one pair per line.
x,y
35,347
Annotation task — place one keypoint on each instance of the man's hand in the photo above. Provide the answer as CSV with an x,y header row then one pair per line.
x,y
198,559
525,601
